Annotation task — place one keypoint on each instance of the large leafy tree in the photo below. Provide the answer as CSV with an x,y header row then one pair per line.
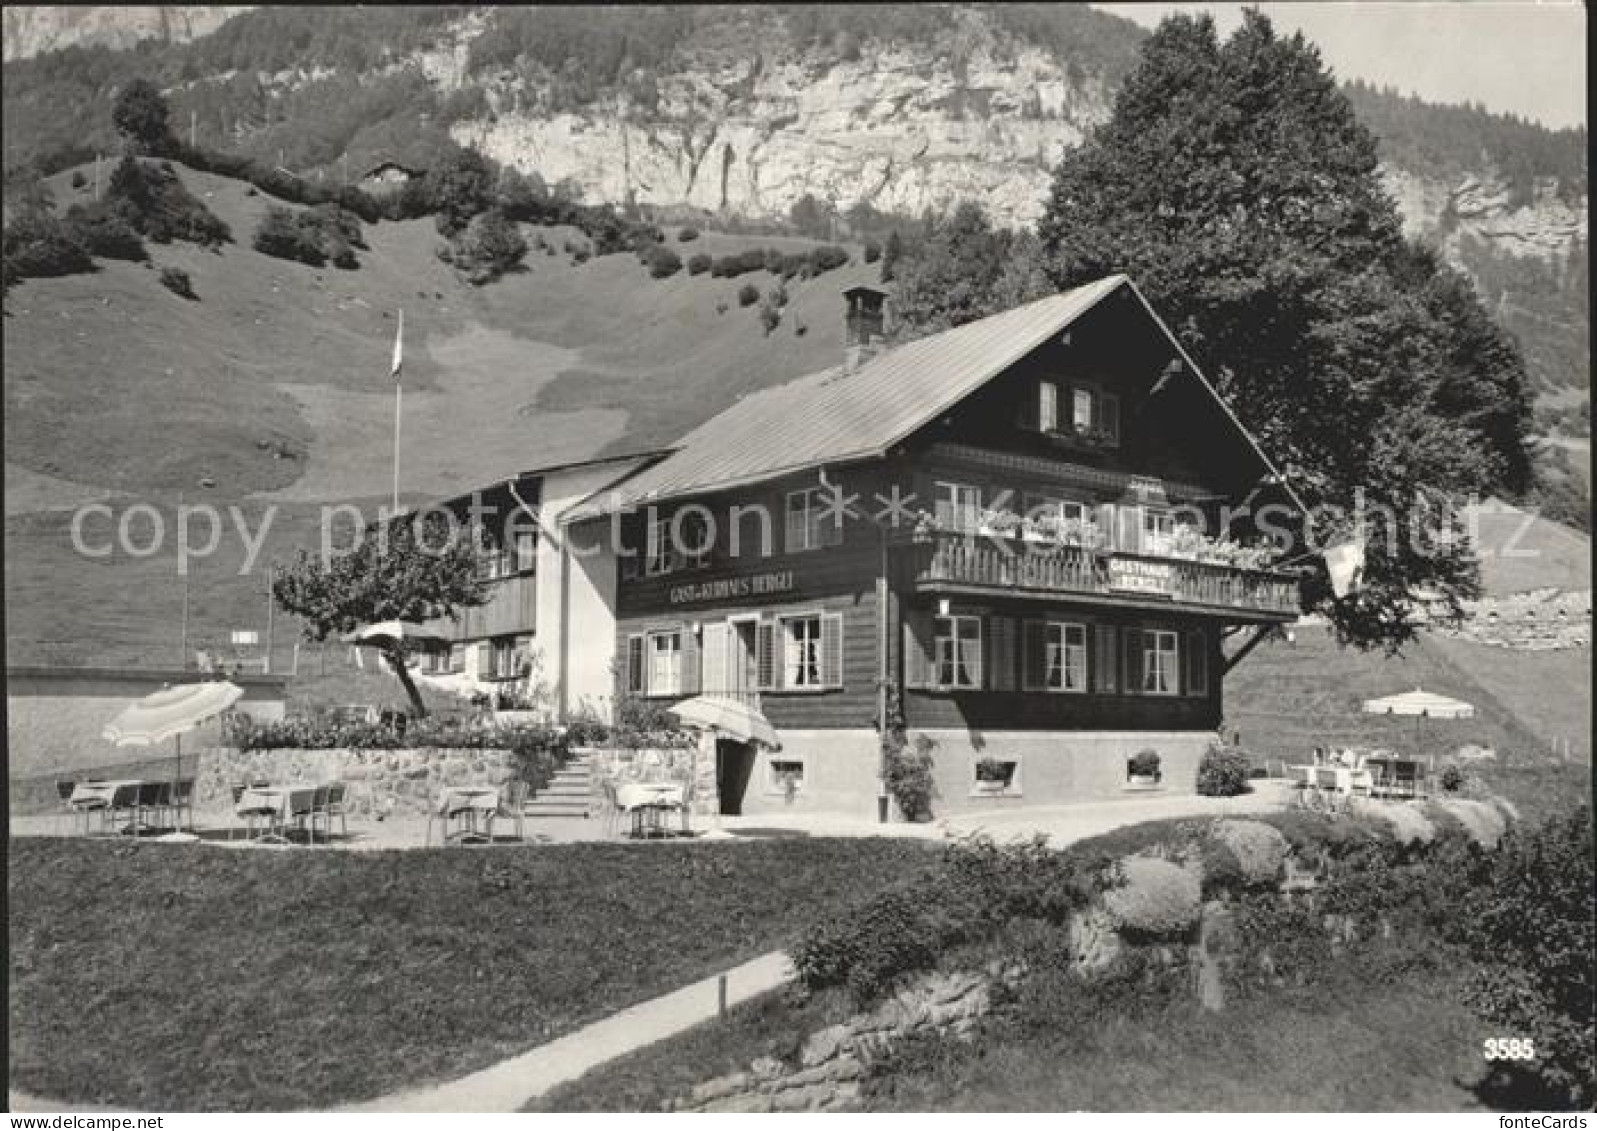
x,y
414,569
1235,185
140,115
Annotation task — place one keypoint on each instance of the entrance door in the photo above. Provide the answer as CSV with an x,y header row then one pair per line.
x,y
734,765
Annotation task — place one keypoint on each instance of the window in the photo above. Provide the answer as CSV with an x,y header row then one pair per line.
x,y
659,555
1158,531
665,663
457,657
801,663
1095,413
1066,657
996,776
1081,413
1197,663
1160,657
696,540
1048,406
505,660
956,652
784,774
526,544
957,506
811,523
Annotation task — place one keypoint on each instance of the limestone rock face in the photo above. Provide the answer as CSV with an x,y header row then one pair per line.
x,y
33,29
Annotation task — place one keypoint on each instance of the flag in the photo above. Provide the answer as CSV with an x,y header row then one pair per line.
x,y
399,348
1345,563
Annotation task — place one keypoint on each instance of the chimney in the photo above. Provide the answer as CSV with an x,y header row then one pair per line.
x,y
865,325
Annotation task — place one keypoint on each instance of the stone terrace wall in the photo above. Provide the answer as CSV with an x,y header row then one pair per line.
x,y
382,782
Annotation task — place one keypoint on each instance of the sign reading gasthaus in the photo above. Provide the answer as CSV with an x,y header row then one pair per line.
x,y
1136,576
755,585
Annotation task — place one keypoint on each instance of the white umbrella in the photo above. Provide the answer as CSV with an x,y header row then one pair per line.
x,y
388,633
1421,705
729,716
170,713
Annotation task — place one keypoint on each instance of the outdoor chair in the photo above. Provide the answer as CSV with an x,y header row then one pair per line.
x,y
612,806
63,792
251,813
304,813
332,805
512,804
1405,779
151,797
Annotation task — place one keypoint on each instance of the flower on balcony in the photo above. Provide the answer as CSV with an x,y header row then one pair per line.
x,y
1001,521
1050,526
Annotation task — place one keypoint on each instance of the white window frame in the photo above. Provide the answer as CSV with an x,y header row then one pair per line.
x,y
815,530
1158,531
963,503
773,783
504,657
662,666
1057,645
658,554
1082,396
958,654
794,663
1161,664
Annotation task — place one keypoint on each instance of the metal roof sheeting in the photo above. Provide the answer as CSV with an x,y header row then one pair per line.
x,y
835,417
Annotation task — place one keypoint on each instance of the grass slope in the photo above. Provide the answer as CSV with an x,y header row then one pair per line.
x,y
158,978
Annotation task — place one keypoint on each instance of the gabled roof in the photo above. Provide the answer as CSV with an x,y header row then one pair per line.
x,y
834,417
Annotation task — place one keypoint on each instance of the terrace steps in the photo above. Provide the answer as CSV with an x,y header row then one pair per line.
x,y
568,794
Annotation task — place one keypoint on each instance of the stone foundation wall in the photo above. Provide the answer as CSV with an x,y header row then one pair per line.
x,y
692,767
381,782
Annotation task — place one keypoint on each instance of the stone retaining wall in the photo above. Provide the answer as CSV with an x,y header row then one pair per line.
x,y
381,782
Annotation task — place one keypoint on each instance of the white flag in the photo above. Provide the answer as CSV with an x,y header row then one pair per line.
x,y
399,347
1345,563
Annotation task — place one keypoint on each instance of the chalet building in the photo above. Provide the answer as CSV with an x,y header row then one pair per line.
x,y
994,530
544,636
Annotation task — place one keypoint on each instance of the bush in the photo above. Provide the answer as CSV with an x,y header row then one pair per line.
x,y
1222,772
873,251
489,247
177,280
37,246
1155,898
827,258
909,778
663,262
1533,934
1452,779
687,235
770,315
748,294
153,202
699,264
105,234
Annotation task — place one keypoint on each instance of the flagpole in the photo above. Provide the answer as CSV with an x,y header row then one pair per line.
x,y
399,399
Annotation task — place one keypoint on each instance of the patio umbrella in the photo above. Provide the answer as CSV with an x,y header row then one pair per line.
x,y
170,713
729,716
1422,705
388,633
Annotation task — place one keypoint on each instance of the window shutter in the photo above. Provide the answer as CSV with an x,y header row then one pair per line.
x,y
918,648
1107,662
1197,663
770,673
1132,671
1028,417
485,660
635,664
691,679
1001,654
1035,656
712,662
1109,415
832,650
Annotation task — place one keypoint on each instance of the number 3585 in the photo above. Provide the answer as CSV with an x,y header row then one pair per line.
x,y
1509,1048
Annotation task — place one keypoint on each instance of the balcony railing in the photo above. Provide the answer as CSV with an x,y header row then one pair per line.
x,y
946,559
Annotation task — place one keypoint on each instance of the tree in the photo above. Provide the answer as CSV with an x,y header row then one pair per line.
x,y
459,186
397,572
947,279
1234,184
140,115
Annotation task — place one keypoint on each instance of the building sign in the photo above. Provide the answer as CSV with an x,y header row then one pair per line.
x,y
726,588
1133,575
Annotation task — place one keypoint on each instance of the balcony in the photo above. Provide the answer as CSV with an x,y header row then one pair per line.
x,y
949,561
511,608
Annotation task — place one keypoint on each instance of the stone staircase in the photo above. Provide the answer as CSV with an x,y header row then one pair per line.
x,y
568,794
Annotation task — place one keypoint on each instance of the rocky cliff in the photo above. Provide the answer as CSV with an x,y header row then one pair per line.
x,y
30,30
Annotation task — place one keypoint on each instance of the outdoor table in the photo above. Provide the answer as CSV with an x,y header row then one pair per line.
x,y
282,801
646,801
104,797
470,801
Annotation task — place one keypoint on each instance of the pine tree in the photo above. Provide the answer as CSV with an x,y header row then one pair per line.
x,y
1235,185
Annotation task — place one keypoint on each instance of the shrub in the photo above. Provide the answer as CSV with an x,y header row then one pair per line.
x,y
152,200
1483,823
312,236
699,264
489,247
1260,849
1144,763
1155,898
873,251
826,258
177,280
1452,779
105,234
909,778
78,179
748,294
1533,934
687,235
1222,772
663,262
770,314
37,245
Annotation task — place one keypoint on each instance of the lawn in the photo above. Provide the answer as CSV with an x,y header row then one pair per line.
x,y
159,977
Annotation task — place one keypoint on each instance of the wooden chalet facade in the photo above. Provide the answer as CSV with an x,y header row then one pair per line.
x,y
1019,564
